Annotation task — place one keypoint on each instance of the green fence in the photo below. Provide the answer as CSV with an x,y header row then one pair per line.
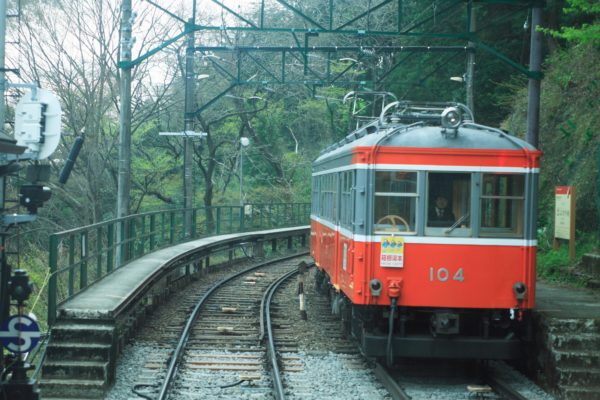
x,y
82,256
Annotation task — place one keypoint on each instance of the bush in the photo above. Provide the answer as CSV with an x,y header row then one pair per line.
x,y
556,265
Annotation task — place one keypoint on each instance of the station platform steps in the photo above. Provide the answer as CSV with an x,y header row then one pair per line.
x,y
92,327
568,341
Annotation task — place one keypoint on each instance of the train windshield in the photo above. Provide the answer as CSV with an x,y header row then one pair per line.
x,y
395,201
458,204
449,204
502,205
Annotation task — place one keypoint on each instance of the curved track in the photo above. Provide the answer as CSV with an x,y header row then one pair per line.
x,y
219,352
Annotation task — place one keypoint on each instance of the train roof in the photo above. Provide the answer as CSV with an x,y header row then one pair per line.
x,y
467,135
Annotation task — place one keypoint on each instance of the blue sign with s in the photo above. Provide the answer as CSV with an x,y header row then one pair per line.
x,y
20,334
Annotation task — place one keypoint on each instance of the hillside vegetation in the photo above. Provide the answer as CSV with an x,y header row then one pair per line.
x,y
569,134
569,130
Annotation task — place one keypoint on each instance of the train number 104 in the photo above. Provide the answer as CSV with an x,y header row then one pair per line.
x,y
444,274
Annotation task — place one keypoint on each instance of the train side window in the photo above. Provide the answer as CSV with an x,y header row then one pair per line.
x,y
346,204
334,186
321,196
502,205
315,195
326,201
395,201
449,204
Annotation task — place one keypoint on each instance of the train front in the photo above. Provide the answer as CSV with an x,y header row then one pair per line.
x,y
444,262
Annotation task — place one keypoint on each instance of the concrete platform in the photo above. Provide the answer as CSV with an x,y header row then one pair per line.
x,y
565,302
92,328
103,299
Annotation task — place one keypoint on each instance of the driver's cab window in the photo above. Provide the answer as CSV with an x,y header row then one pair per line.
x,y
449,204
395,201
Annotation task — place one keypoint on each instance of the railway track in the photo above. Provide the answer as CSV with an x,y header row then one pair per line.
x,y
316,359
220,342
224,355
219,353
454,379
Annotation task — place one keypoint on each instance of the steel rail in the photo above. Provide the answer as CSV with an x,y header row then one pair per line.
x,y
185,334
265,310
498,385
503,388
390,383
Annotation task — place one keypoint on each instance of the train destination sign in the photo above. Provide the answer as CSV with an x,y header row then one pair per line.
x,y
392,252
20,334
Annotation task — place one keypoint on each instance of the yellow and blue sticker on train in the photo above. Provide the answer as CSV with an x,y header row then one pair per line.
x,y
392,252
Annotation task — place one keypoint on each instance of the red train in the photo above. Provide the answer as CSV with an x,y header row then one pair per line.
x,y
423,230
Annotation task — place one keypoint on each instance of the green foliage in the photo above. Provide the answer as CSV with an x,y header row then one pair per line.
x,y
585,6
284,139
569,138
553,264
587,33
556,265
586,15
569,131
34,260
156,181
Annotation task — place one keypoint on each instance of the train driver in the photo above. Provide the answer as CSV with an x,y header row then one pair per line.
x,y
440,214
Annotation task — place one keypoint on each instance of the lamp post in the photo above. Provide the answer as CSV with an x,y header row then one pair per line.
x,y
244,142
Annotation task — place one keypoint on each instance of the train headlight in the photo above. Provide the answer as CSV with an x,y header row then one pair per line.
x,y
520,290
451,118
376,287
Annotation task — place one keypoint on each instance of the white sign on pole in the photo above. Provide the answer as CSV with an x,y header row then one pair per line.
x,y
562,213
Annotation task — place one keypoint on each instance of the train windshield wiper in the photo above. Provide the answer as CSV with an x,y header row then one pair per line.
x,y
457,223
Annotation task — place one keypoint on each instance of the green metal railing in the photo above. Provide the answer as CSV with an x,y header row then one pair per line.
x,y
81,256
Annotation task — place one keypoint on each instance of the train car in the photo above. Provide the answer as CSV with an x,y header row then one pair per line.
x,y
423,228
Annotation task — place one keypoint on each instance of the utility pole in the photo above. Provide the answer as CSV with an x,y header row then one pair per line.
x,y
124,171
2,65
534,87
123,184
190,94
244,142
470,75
4,268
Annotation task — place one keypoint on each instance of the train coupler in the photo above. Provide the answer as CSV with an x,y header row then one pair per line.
x,y
445,323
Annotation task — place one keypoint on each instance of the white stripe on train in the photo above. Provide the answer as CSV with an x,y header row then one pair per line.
x,y
428,239
418,167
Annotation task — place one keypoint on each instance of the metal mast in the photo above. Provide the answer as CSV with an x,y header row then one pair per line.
x,y
188,188
123,184
535,66
4,268
2,64
470,75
